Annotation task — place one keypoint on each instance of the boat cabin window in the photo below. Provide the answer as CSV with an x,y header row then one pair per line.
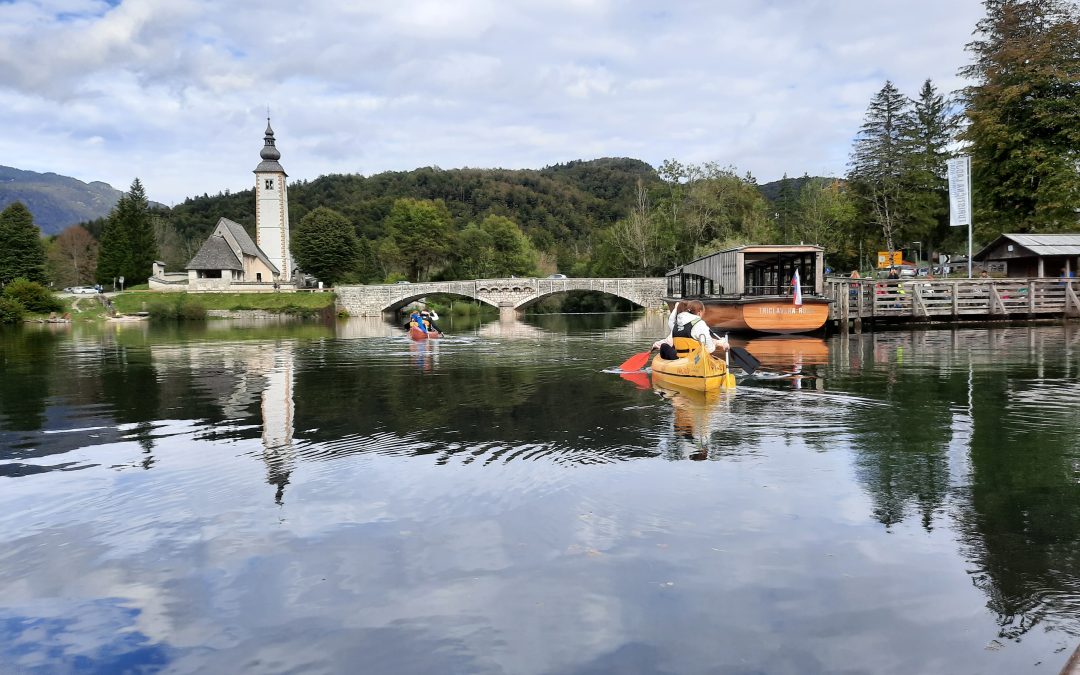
x,y
691,286
773,273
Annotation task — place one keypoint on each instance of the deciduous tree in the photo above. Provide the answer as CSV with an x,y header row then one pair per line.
x,y
420,229
73,257
824,215
324,245
637,237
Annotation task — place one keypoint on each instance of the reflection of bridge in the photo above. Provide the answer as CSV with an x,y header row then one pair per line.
x,y
640,330
510,295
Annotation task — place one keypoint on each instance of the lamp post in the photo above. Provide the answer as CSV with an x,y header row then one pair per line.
x,y
918,256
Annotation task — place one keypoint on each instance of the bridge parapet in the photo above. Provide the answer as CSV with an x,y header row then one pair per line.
x,y
512,293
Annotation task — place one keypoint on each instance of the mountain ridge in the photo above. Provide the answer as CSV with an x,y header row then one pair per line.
x,y
56,201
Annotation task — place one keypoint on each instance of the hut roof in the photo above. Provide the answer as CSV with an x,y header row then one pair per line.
x,y
1038,244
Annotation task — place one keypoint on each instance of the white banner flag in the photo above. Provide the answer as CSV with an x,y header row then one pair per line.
x,y
959,191
797,295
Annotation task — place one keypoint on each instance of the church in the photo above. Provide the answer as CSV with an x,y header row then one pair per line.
x,y
229,260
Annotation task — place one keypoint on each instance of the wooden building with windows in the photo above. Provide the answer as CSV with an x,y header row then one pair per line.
x,y
1032,255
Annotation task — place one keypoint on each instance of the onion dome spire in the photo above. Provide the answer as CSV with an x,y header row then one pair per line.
x,y
269,154
269,151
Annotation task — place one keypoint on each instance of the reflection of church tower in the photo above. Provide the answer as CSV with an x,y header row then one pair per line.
x,y
277,418
272,207
277,400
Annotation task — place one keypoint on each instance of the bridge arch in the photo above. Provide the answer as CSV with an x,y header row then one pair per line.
x,y
407,300
508,294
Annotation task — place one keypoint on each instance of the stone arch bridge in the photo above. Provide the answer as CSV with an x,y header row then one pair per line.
x,y
509,295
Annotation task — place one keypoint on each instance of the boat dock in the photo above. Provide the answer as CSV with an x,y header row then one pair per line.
x,y
865,303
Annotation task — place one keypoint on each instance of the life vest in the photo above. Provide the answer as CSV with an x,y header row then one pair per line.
x,y
682,340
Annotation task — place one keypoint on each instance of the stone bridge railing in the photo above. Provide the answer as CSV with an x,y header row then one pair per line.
x,y
511,294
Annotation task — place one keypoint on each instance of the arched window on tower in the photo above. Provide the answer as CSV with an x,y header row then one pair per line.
x,y
269,182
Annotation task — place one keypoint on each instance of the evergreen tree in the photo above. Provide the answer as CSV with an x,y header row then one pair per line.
x,y
22,253
324,245
128,247
926,188
1024,130
878,161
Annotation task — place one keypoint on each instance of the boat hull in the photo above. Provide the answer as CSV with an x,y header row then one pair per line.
x,y
417,334
765,315
697,372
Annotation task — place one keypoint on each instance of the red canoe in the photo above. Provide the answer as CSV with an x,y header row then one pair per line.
x,y
417,334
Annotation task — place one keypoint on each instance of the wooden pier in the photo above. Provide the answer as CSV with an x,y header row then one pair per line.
x,y
863,303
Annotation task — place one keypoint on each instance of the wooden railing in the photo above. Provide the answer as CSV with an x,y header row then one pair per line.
x,y
920,298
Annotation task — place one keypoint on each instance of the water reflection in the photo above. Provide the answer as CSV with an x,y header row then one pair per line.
x,y
696,416
196,500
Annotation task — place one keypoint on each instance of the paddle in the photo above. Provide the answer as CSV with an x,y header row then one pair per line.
x,y
744,359
640,379
635,362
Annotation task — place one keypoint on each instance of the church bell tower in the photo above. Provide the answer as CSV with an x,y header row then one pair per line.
x,y
272,208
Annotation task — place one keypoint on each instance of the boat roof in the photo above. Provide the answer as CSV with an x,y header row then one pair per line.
x,y
753,248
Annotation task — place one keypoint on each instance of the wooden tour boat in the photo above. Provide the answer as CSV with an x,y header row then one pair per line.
x,y
750,288
694,369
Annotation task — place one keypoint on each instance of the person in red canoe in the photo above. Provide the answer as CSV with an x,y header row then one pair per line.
x,y
429,317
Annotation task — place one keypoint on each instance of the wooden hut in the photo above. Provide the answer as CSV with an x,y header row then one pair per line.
x,y
1032,255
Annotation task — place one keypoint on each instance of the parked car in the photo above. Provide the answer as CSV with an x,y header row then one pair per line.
x,y
84,290
557,276
403,282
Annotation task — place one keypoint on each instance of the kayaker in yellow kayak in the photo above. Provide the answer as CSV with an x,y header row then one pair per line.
x,y
689,325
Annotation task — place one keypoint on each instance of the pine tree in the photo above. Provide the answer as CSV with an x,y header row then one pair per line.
x,y
878,161
1024,130
128,248
22,253
925,185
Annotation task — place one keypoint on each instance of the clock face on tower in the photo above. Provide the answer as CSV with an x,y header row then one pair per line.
x,y
269,183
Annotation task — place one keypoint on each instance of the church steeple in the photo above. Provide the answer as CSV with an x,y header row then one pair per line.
x,y
272,207
269,154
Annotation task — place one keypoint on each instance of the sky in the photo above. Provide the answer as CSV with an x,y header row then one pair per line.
x,y
176,92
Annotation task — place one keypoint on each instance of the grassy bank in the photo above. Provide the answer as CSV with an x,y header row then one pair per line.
x,y
286,303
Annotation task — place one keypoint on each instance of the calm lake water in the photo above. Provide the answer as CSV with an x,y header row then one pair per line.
x,y
306,498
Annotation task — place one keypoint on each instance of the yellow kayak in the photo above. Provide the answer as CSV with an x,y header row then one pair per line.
x,y
694,369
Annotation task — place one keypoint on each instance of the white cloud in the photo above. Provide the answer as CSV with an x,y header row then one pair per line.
x,y
174,91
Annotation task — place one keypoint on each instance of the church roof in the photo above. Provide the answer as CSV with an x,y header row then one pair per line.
x,y
247,246
215,254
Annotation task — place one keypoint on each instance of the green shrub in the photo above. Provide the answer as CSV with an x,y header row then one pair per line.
x,y
180,309
188,310
33,297
11,311
162,311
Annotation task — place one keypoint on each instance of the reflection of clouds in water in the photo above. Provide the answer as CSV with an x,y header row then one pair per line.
x,y
103,635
